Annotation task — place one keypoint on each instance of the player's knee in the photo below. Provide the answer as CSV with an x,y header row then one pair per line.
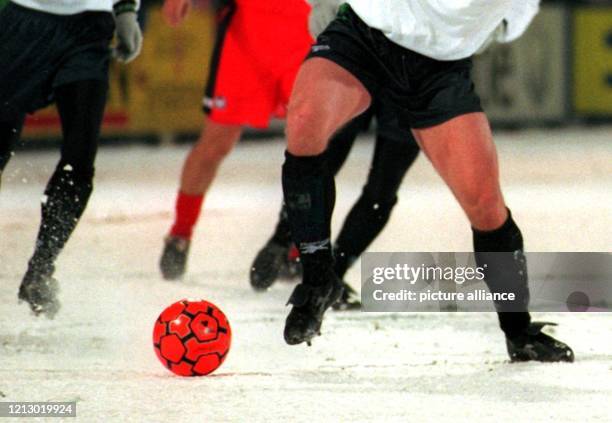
x,y
215,151
305,133
483,207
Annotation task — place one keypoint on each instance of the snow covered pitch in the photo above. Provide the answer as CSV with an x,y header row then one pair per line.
x,y
365,367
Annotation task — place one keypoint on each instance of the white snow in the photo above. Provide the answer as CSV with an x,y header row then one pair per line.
x,y
366,367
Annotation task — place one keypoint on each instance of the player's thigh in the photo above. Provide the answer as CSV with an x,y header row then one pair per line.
x,y
324,98
463,153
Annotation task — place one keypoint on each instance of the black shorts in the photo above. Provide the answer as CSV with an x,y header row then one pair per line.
x,y
388,123
425,91
41,51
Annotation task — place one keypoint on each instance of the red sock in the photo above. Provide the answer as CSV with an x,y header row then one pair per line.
x,y
187,211
294,253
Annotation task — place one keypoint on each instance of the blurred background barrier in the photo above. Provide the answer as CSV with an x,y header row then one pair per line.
x,y
592,61
560,72
526,82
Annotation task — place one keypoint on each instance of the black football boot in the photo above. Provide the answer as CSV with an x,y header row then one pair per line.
x,y
39,289
268,264
173,261
535,345
310,300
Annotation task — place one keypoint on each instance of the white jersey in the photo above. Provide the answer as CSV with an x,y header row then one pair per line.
x,y
447,29
69,7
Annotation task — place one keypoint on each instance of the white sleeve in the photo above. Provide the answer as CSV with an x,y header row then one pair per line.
x,y
518,19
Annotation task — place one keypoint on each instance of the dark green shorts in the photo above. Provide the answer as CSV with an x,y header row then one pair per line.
x,y
424,91
41,51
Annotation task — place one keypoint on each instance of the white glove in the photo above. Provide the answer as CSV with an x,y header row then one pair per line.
x,y
321,15
129,37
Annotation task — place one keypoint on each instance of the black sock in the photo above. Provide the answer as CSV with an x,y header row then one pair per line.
x,y
505,272
309,192
66,197
364,222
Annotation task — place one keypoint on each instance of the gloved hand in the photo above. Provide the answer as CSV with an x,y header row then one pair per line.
x,y
321,15
129,37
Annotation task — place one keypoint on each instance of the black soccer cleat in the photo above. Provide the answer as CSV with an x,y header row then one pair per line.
x,y
349,301
267,265
39,289
173,261
309,304
535,345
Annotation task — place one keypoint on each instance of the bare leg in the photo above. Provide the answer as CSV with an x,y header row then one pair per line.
x,y
199,171
202,163
462,152
324,98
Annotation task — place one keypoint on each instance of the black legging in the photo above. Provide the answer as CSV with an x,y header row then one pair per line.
x,y
367,218
81,109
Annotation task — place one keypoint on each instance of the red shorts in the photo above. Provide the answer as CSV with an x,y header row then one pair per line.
x,y
256,58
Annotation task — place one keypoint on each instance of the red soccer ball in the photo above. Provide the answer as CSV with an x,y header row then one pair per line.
x,y
192,338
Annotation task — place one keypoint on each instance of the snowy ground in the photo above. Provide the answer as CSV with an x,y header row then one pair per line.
x,y
365,367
